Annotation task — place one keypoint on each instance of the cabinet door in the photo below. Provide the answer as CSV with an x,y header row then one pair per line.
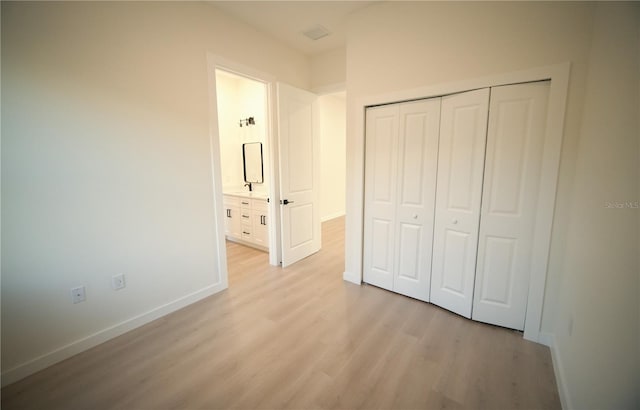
x,y
463,131
233,224
380,195
416,184
259,213
232,216
517,120
260,230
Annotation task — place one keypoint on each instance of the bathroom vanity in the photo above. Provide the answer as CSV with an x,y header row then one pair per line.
x,y
246,218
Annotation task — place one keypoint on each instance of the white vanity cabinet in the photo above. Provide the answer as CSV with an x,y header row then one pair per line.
x,y
247,219
233,226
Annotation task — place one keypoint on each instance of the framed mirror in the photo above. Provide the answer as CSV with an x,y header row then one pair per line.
x,y
252,159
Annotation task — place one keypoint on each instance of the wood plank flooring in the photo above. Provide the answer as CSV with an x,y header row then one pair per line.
x,y
300,338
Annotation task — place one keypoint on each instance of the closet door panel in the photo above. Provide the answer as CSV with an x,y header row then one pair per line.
x,y
380,195
515,140
417,159
459,189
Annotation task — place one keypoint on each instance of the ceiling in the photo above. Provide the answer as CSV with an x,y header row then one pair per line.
x,y
287,20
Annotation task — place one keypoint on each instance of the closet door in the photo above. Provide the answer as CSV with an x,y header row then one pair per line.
x,y
417,166
463,131
381,170
515,140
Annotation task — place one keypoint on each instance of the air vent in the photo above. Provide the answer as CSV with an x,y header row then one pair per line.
x,y
317,32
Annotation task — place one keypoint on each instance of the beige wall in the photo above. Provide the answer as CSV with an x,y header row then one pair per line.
x,y
596,321
329,71
397,46
106,164
332,155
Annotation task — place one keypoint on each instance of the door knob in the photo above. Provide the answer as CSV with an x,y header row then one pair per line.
x,y
285,202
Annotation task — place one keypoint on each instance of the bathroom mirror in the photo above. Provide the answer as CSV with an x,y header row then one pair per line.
x,y
252,158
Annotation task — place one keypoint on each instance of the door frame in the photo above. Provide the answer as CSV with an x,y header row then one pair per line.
x,y
559,76
217,62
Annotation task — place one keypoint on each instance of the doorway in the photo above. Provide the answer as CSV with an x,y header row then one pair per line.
x,y
290,219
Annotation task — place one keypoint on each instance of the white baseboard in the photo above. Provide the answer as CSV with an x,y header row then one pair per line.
x,y
352,277
549,339
78,346
332,216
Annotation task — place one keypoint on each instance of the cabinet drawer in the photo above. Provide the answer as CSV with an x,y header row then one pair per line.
x,y
245,203
245,216
260,205
231,200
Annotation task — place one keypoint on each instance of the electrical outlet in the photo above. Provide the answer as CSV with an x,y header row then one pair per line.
x,y
78,294
117,282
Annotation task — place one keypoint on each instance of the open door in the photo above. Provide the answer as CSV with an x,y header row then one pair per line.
x,y
299,173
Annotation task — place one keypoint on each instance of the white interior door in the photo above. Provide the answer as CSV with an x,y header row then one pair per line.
x,y
463,131
416,184
381,169
515,139
299,173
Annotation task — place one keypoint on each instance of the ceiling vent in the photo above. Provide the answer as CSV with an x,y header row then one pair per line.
x,y
317,32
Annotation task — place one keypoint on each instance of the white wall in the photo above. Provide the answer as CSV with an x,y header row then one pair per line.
x,y
397,46
597,329
332,155
329,71
240,98
106,164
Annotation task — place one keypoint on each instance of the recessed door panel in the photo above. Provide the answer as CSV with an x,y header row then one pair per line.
x,y
409,252
413,157
455,245
507,152
515,142
301,230
496,284
381,238
384,141
462,163
300,147
459,188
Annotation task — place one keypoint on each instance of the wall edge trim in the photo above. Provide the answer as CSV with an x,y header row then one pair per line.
x,y
78,346
549,340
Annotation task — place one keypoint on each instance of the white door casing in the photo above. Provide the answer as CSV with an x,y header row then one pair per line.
x,y
299,173
461,155
402,147
515,139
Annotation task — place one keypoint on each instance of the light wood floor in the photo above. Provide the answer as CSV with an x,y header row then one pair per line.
x,y
300,338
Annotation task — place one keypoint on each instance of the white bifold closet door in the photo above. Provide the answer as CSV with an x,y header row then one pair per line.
x,y
401,165
463,131
517,122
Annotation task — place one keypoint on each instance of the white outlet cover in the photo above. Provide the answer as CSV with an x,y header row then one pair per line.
x,y
78,294
118,282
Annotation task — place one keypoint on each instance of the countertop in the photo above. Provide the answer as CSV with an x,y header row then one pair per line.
x,y
247,194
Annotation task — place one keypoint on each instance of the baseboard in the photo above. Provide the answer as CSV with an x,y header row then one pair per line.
x,y
549,339
332,216
352,277
78,346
